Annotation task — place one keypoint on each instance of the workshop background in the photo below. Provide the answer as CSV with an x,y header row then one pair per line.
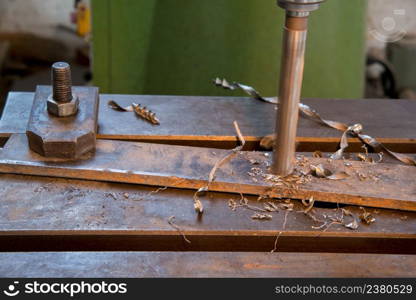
x,y
356,48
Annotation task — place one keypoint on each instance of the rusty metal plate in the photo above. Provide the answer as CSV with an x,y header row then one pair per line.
x,y
68,137
204,264
368,184
54,214
207,121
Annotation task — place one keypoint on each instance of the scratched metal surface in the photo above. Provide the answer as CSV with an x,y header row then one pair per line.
x,y
47,214
385,186
204,264
185,117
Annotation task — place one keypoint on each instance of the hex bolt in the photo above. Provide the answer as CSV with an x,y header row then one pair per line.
x,y
61,82
62,103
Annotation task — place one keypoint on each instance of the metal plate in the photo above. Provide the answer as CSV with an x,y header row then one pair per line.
x,y
207,121
387,185
204,264
52,214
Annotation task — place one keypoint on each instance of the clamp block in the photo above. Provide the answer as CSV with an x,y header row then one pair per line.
x,y
63,137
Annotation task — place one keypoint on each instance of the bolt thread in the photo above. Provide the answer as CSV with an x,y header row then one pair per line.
x,y
61,82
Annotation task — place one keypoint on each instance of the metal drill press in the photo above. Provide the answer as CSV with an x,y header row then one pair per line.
x,y
291,75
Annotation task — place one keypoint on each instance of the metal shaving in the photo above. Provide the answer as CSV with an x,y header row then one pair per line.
x,y
363,157
286,206
308,212
153,192
317,154
373,143
267,142
292,181
140,111
308,203
171,223
271,207
321,172
114,105
380,157
343,143
353,131
248,89
112,195
232,204
261,217
145,113
211,177
199,208
367,217
353,225
280,233
229,156
243,202
330,220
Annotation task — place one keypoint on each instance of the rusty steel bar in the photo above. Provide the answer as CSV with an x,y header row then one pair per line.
x,y
291,76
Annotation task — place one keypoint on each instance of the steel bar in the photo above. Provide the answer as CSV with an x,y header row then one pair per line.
x,y
204,264
367,184
391,122
53,214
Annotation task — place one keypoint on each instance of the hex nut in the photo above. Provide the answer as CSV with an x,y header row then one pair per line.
x,y
63,109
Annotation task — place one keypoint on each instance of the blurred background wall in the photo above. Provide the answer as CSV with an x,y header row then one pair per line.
x,y
356,48
39,17
33,35
178,46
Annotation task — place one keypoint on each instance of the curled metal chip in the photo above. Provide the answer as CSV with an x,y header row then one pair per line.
x,y
140,111
211,176
353,130
261,217
353,225
321,172
114,105
245,88
317,154
145,113
308,203
367,218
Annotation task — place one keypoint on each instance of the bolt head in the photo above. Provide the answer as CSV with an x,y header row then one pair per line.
x,y
63,109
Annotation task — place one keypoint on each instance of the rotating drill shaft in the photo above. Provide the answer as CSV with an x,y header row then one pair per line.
x,y
291,76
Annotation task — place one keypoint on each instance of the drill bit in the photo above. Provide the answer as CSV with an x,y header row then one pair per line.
x,y
291,76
